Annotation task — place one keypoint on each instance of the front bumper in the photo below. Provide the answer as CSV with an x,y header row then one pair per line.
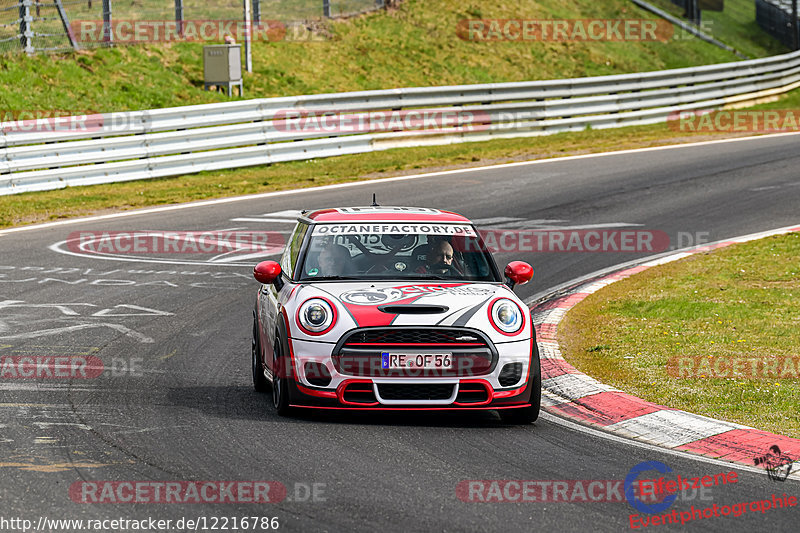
x,y
420,392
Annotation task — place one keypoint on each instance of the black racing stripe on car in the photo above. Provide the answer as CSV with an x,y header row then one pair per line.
x,y
451,314
463,319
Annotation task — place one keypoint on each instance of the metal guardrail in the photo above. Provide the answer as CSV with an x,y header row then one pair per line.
x,y
169,142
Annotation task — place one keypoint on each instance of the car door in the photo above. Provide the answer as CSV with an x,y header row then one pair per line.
x,y
272,300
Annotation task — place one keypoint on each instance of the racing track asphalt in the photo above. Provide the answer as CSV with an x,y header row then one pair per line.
x,y
188,412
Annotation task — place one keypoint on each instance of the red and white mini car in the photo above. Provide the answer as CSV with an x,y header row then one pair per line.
x,y
393,308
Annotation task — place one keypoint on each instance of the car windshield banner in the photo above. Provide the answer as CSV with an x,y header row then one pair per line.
x,y
394,229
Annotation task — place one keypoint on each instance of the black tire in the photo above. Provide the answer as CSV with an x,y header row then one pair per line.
x,y
280,381
526,415
260,382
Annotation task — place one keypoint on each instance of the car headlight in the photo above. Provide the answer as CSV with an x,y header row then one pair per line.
x,y
506,316
316,316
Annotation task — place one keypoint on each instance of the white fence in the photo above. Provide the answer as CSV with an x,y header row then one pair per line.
x,y
49,154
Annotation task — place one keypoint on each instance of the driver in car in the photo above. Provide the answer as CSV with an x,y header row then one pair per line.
x,y
439,259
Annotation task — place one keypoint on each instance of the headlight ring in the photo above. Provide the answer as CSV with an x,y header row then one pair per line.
x,y
316,316
506,316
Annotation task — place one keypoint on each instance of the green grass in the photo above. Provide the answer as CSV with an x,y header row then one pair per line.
x,y
739,301
412,45
735,26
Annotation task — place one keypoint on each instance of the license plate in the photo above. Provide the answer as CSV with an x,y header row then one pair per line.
x,y
400,361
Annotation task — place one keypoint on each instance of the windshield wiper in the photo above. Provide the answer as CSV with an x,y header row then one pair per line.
x,y
326,278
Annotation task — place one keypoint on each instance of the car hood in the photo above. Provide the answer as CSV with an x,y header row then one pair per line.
x,y
369,304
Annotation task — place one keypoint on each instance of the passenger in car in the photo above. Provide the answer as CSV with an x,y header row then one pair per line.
x,y
334,260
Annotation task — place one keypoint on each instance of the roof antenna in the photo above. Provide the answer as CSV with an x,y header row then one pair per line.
x,y
374,201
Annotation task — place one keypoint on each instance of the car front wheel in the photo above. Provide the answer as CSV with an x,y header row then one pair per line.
x,y
260,383
280,381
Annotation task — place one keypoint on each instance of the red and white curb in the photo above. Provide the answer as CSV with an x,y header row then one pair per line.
x,y
569,393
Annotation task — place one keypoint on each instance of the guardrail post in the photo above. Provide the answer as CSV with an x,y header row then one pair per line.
x,y
65,22
326,8
108,34
693,12
179,16
25,20
248,56
795,36
256,11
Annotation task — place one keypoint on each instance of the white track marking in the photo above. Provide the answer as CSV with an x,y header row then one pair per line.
x,y
225,259
243,257
58,331
42,425
219,201
671,428
57,248
142,311
594,226
38,387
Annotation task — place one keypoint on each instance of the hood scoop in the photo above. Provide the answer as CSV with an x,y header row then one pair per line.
x,y
413,309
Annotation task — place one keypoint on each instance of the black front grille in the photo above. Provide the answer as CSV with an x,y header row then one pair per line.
x,y
415,391
383,336
360,352
510,374
472,393
359,393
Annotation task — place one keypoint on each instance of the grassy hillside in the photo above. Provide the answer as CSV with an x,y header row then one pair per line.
x,y
735,26
412,45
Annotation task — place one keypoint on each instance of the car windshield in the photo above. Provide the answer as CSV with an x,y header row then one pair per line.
x,y
392,251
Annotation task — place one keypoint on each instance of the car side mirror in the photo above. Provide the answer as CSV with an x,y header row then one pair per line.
x,y
518,273
268,273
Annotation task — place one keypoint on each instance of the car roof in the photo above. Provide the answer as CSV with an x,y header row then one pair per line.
x,y
383,214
